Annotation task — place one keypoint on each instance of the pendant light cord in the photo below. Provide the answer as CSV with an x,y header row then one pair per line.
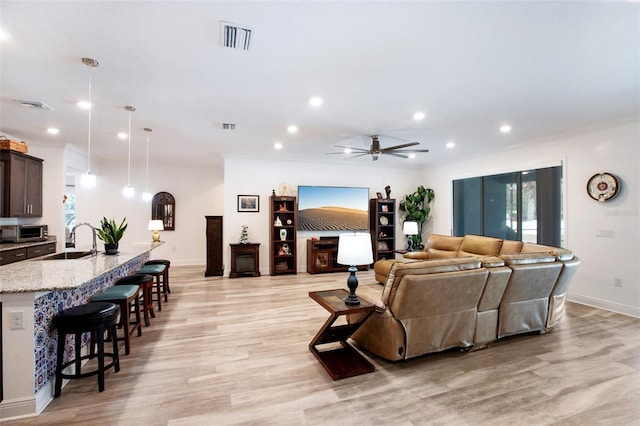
x,y
147,187
129,155
89,136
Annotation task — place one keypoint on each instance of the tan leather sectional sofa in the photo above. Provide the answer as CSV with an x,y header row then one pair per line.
x,y
464,292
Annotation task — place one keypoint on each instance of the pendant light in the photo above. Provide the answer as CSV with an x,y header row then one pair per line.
x,y
88,180
147,196
128,190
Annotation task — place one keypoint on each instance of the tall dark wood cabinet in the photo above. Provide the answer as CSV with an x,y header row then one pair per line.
x,y
22,185
283,220
215,266
382,225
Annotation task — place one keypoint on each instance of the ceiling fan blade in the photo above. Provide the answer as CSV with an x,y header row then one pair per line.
x,y
356,156
395,154
409,151
404,145
352,148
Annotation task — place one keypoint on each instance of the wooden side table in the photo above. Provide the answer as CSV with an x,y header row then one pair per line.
x,y
344,361
245,260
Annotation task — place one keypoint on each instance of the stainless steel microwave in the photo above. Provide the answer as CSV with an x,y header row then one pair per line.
x,y
23,233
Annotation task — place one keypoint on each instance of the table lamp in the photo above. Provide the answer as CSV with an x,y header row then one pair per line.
x,y
354,249
155,226
410,229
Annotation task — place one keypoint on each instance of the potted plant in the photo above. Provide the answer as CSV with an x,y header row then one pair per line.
x,y
415,207
110,233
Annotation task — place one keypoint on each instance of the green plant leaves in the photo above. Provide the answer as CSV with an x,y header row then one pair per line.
x,y
110,232
415,208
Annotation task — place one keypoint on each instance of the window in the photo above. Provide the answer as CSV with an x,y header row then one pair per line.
x,y
525,206
69,214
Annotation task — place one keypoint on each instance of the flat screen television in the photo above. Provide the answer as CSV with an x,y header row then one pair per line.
x,y
333,208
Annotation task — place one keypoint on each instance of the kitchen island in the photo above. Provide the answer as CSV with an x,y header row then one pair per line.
x,y
37,290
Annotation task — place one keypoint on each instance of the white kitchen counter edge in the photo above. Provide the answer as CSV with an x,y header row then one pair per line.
x,y
45,275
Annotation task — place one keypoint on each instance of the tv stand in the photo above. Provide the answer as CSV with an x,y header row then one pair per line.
x,y
322,256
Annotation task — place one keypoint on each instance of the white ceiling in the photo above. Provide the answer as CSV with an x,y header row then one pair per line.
x,y
543,67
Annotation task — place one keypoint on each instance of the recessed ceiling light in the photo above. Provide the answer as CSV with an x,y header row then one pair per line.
x,y
292,129
419,115
122,135
53,131
412,155
450,145
4,35
505,128
316,101
277,145
348,151
84,104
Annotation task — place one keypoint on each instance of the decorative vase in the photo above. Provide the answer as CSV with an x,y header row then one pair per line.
x,y
111,248
283,234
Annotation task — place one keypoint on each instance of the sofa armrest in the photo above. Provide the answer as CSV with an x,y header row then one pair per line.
x,y
420,255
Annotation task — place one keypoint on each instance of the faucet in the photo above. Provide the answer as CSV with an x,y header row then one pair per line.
x,y
94,250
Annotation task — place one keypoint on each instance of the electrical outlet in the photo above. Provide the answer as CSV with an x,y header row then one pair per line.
x,y
617,281
16,320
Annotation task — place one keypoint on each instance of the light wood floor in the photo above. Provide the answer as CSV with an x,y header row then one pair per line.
x,y
235,352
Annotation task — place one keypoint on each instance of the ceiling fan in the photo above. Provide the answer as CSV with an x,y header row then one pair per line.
x,y
375,151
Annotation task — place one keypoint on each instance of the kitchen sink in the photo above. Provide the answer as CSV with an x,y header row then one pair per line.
x,y
66,255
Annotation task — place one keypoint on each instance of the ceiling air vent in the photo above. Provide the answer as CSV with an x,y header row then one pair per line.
x,y
228,126
34,104
235,37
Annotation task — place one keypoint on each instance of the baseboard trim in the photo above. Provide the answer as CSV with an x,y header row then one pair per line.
x,y
604,304
19,408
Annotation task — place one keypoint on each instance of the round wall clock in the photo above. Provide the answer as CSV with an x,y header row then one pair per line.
x,y
603,186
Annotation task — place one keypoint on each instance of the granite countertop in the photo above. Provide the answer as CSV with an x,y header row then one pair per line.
x,y
36,275
11,246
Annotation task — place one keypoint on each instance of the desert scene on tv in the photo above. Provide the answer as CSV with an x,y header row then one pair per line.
x,y
332,218
332,208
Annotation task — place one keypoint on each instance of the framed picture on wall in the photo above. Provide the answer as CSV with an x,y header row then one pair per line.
x,y
249,203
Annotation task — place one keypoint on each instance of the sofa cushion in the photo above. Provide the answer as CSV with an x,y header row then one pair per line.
x,y
491,261
400,269
527,258
443,246
511,247
473,245
560,253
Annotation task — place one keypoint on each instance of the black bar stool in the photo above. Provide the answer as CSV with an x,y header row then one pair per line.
x,y
157,271
128,299
145,283
165,279
93,318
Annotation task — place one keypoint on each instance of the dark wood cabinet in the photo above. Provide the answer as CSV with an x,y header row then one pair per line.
x,y
283,236
215,266
245,260
40,250
23,253
322,256
382,225
21,185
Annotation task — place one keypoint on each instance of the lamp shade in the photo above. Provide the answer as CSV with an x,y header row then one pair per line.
x,y
410,228
355,249
156,225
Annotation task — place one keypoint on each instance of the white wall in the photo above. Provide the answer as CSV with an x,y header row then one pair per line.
x,y
613,148
254,177
198,191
